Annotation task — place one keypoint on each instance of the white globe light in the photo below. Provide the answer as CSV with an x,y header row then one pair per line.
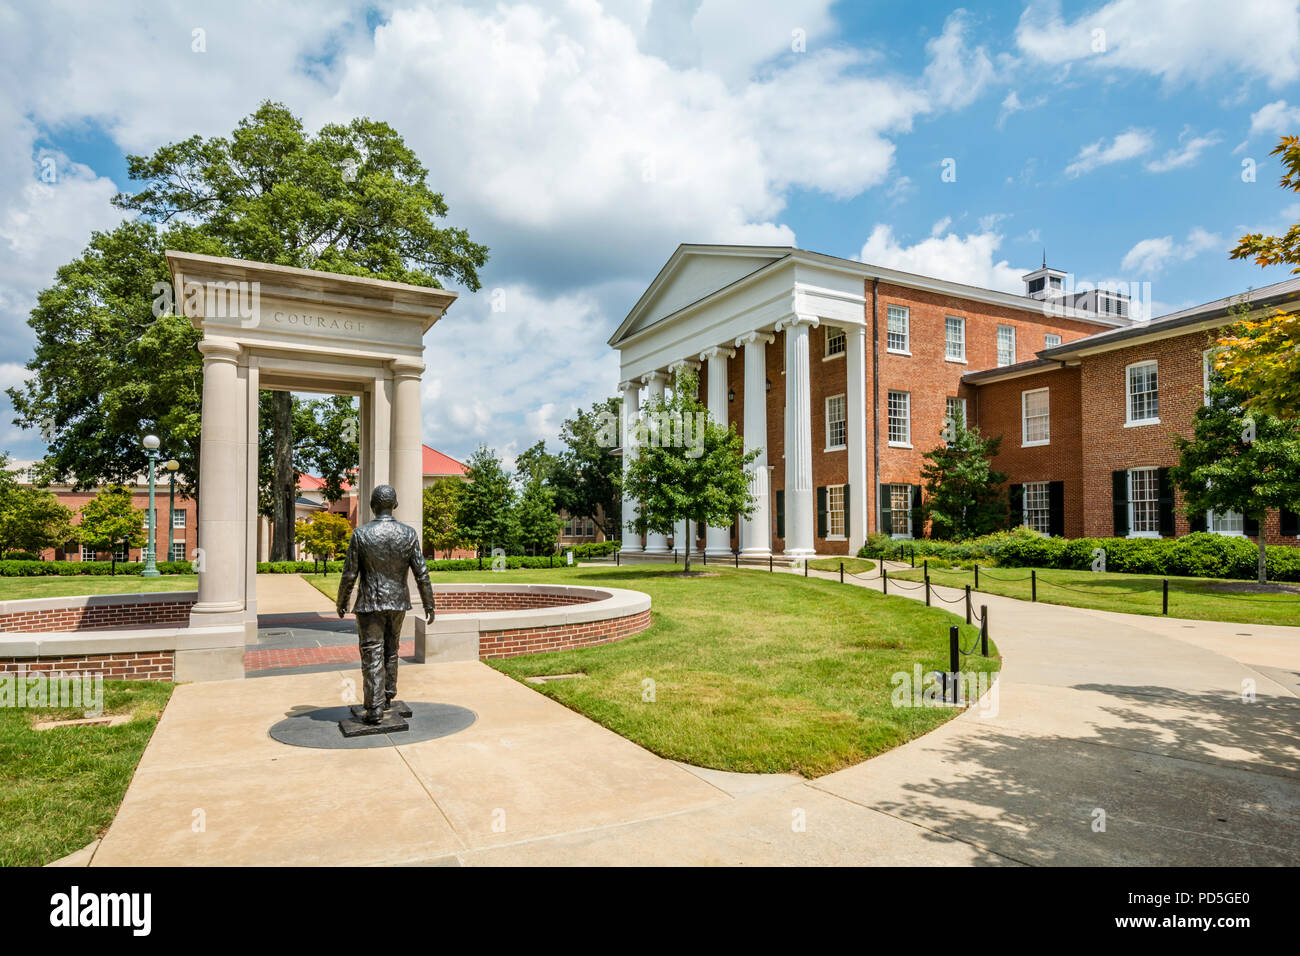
x,y
151,442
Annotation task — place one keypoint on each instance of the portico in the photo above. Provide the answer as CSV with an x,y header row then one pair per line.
x,y
746,315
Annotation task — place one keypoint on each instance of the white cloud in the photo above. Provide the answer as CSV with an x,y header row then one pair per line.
x,y
969,259
1152,255
1175,40
1127,145
1189,149
1012,103
1276,118
941,226
956,75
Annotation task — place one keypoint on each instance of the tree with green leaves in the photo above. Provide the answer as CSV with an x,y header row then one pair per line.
x,y
110,519
487,502
32,520
586,476
108,368
442,530
687,467
536,522
324,536
1238,460
962,491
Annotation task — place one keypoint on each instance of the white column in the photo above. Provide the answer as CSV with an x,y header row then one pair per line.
x,y
756,530
656,542
631,408
407,472
855,400
222,518
680,544
799,504
381,430
717,541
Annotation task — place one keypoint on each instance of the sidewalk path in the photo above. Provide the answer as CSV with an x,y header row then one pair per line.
x,y
1133,720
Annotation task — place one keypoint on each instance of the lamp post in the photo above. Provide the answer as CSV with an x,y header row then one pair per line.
x,y
172,465
151,444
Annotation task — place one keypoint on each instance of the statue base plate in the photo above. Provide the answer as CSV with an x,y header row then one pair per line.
x,y
399,707
391,723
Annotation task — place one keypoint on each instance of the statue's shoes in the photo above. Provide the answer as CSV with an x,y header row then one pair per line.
x,y
372,716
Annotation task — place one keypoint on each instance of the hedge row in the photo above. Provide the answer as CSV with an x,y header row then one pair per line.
x,y
32,569
1200,554
23,569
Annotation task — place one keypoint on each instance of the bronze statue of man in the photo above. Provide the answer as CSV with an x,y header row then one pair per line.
x,y
380,553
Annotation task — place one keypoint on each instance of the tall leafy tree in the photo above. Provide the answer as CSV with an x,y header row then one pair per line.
x,y
110,519
352,199
1238,460
32,520
536,522
487,502
962,491
587,477
325,536
688,467
442,530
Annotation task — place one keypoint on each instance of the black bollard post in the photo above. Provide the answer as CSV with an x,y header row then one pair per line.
x,y
675,559
884,579
618,558
737,554
1033,585
1165,598
805,567
841,572
968,604
480,561
550,559
704,556
927,590
977,577
954,662
984,629
769,562
912,552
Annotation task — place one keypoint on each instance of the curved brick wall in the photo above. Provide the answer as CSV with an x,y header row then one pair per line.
x,y
455,602
97,612
560,637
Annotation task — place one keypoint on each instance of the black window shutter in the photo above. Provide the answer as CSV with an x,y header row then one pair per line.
x,y
846,511
780,514
1250,525
1017,505
1197,522
1119,497
1166,503
1056,505
918,516
1290,523
821,511
886,509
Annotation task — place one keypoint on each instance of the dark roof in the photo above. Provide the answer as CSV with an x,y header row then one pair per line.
x,y
1010,371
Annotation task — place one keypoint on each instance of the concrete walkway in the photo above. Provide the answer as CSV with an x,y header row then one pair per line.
x,y
1140,719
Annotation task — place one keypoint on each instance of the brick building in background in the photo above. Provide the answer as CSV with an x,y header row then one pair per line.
x,y
844,374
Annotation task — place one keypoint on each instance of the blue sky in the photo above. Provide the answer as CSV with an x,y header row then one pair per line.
x,y
582,141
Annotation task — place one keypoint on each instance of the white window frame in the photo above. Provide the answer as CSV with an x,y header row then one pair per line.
x,y
1047,340
835,331
1012,330
178,513
947,352
178,551
907,493
831,533
1042,498
1132,502
1129,371
1212,518
947,416
844,409
906,441
906,314
87,553
1025,440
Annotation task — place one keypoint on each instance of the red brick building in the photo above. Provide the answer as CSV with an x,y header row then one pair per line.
x,y
842,375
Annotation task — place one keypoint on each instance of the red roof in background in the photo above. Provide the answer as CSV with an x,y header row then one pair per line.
x,y
435,463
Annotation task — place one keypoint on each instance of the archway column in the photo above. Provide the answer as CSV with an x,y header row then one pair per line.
x,y
407,470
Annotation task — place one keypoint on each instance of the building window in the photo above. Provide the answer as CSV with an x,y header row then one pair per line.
x,y
87,553
900,419
1035,421
1143,401
836,423
835,341
1038,506
591,528
178,551
954,407
954,338
900,510
1036,285
178,519
1051,340
835,511
1144,502
1229,522
119,553
898,338
1006,345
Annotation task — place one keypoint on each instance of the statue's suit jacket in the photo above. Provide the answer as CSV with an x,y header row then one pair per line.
x,y
380,553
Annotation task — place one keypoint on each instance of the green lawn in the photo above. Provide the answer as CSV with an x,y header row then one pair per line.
x,y
17,589
751,671
59,789
851,565
1192,598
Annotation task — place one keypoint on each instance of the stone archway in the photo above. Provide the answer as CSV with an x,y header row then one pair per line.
x,y
273,327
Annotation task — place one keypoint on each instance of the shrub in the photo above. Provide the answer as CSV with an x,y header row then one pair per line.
x,y
594,549
21,556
